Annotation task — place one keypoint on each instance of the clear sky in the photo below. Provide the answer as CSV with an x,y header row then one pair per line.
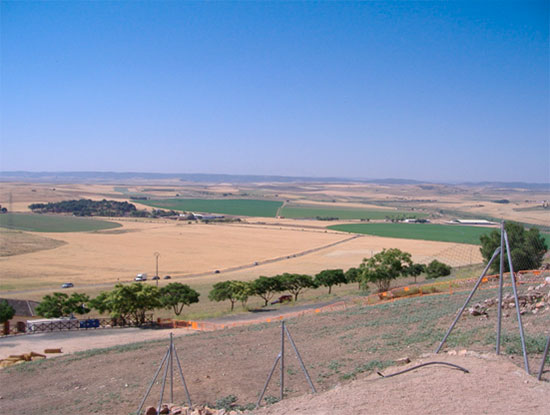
x,y
443,91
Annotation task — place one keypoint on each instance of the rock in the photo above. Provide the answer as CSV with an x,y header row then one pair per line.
x,y
452,353
403,361
151,410
177,410
164,409
463,352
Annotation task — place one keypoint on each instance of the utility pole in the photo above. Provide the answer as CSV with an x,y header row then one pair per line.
x,y
157,267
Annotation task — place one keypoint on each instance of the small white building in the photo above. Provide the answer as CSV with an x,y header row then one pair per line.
x,y
472,222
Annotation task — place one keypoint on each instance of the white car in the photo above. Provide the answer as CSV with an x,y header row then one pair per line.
x,y
141,277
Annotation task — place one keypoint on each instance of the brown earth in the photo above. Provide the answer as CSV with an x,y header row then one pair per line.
x,y
494,385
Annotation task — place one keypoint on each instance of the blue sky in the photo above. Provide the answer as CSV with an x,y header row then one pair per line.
x,y
443,91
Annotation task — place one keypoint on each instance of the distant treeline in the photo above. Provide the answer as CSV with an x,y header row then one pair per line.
x,y
88,207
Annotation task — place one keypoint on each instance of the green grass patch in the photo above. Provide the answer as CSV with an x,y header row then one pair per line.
x,y
424,231
50,223
309,211
239,207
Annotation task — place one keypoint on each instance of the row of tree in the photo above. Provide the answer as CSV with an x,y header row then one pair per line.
x,y
380,270
126,302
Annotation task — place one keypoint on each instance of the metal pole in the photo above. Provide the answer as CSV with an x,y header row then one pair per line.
x,y
282,360
300,360
152,382
157,267
163,382
500,283
171,369
267,381
182,378
512,276
497,251
544,355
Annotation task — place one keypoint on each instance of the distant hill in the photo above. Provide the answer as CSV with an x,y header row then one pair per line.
x,y
93,176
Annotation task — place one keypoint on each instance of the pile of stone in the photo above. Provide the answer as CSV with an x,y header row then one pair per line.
x,y
535,300
171,409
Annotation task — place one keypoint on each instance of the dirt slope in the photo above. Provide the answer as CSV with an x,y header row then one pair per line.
x,y
494,385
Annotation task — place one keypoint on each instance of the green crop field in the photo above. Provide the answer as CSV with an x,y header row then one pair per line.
x,y
241,207
50,223
309,211
425,231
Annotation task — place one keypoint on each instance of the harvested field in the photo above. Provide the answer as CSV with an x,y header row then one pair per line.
x,y
337,348
91,258
17,243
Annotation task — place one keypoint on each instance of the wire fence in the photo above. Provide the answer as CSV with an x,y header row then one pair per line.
x,y
65,324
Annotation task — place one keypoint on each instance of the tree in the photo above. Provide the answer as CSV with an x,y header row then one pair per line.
x,y
353,275
384,267
527,247
436,269
222,291
266,287
242,290
51,306
330,277
60,304
128,302
415,270
177,295
296,283
6,311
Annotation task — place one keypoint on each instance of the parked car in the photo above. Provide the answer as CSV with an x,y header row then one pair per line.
x,y
67,285
156,277
217,271
167,277
282,299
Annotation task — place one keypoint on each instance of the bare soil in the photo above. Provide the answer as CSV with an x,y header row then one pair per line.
x,y
494,385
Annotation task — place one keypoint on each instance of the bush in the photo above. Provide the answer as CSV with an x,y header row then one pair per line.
x,y
436,269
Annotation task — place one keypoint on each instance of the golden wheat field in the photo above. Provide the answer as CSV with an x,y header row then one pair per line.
x,y
44,260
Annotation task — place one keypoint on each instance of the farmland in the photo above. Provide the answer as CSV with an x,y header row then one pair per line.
x,y
244,207
429,232
51,223
313,211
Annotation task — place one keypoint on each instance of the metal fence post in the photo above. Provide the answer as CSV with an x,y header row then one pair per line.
x,y
512,276
500,284
544,355
497,251
282,360
301,361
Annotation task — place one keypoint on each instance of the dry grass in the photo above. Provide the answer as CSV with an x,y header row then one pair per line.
x,y
19,243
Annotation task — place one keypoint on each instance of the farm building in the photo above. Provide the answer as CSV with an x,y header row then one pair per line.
x,y
472,222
